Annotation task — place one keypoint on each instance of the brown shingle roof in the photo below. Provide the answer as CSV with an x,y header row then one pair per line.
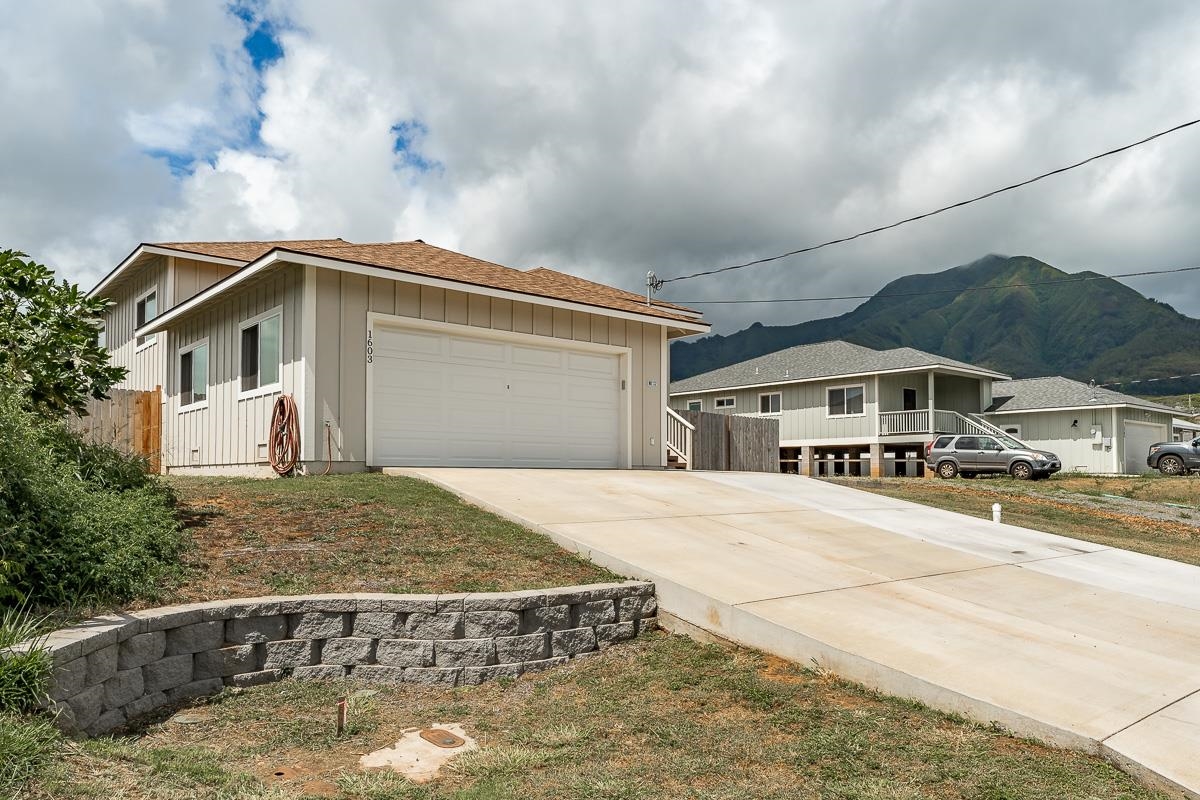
x,y
243,251
418,258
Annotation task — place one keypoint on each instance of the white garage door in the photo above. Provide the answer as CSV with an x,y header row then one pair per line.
x,y
1138,438
444,399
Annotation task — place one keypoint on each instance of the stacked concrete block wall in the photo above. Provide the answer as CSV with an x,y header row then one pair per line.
x,y
113,669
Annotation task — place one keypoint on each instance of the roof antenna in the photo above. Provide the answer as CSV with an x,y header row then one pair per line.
x,y
653,284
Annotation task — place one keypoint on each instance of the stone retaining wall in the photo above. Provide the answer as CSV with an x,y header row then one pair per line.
x,y
113,669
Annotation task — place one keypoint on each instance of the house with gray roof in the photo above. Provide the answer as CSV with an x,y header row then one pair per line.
x,y
1092,429
848,409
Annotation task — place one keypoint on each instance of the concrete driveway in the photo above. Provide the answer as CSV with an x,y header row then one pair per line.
x,y
1074,643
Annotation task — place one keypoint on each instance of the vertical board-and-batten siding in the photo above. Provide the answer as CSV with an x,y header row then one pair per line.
x,y
229,431
145,366
805,409
343,300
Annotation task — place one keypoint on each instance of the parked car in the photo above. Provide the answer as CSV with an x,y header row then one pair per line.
x,y
1174,458
974,455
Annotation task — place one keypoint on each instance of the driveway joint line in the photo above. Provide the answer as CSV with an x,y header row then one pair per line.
x,y
909,578
1151,714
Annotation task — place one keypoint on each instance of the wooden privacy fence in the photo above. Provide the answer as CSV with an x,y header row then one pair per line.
x,y
733,443
129,420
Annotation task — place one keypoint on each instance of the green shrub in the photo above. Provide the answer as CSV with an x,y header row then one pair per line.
x,y
80,523
24,674
29,745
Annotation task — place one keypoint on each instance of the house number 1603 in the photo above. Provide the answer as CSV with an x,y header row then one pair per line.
x,y
370,348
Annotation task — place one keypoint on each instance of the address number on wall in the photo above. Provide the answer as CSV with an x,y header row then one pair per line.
x,y
370,347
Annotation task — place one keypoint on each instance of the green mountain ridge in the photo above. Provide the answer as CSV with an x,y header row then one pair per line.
x,y
1099,329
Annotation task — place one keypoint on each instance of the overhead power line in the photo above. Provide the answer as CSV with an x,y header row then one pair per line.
x,y
936,211
1150,380
992,288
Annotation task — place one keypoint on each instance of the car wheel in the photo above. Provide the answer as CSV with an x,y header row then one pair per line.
x,y
1021,471
1170,465
947,470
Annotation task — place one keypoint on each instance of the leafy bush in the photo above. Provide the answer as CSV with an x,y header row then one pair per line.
x,y
79,522
24,674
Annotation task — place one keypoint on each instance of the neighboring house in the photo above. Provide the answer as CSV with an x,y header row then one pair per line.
x,y
1090,428
844,408
397,354
1183,430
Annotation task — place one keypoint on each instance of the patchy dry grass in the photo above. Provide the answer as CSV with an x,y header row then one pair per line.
x,y
357,533
660,717
1070,505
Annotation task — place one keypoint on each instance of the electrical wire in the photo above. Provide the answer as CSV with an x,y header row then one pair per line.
x,y
1150,380
992,288
937,211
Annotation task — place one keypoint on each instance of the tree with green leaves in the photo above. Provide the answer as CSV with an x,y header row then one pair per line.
x,y
49,349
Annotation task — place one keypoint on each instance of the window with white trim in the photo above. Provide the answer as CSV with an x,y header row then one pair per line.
x,y
770,403
846,401
101,336
261,353
147,310
695,405
725,402
193,376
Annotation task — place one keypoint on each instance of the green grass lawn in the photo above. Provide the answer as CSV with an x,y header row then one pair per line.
x,y
357,533
663,717
660,717
1046,506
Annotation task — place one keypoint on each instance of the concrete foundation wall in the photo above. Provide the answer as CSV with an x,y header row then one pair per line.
x,y
113,669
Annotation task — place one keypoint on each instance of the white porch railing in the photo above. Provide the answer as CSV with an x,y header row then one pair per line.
x,y
679,437
896,422
892,423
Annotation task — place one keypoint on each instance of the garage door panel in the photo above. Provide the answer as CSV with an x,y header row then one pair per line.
x,y
396,343
458,400
469,350
585,363
537,357
1138,439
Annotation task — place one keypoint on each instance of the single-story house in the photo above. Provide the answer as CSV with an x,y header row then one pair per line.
x,y
397,354
1092,429
848,409
1183,430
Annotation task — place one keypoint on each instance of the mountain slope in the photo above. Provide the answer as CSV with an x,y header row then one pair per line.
x,y
1095,329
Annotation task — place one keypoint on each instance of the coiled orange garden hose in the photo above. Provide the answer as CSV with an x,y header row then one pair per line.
x,y
283,445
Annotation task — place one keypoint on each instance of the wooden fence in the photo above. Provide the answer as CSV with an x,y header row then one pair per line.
x,y
732,443
129,420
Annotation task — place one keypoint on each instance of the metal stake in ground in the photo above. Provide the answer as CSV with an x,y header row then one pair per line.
x,y
341,715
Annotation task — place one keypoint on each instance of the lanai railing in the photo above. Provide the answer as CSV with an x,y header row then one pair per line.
x,y
893,423
680,438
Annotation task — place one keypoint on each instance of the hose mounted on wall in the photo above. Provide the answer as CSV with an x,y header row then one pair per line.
x,y
283,444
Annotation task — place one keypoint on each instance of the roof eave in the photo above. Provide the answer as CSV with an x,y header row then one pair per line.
x,y
153,249
276,254
983,373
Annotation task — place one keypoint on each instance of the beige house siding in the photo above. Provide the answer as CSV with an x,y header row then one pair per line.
x,y
1052,430
192,277
232,431
804,414
144,365
342,301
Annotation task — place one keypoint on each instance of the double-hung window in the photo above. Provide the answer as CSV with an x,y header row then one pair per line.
x,y
261,353
193,376
846,401
770,403
147,309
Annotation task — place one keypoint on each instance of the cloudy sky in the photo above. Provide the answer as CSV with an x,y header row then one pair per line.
x,y
606,138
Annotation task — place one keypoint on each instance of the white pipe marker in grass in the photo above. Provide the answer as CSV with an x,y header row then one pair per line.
x,y
995,512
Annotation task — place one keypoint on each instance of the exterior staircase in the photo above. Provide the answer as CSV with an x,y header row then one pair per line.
x,y
679,441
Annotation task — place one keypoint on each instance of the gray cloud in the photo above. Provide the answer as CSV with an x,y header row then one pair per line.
x,y
609,138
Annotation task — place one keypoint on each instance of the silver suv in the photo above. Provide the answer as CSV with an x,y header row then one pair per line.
x,y
972,455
